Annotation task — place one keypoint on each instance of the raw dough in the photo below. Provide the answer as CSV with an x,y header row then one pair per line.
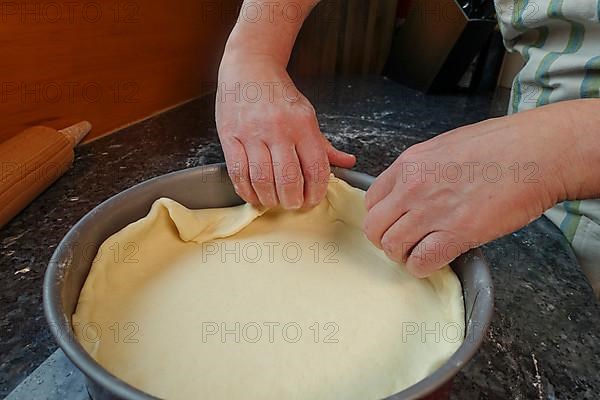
x,y
242,302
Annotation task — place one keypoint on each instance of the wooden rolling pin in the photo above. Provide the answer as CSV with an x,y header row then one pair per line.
x,y
31,161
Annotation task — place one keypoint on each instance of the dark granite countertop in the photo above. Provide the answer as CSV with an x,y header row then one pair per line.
x,y
543,342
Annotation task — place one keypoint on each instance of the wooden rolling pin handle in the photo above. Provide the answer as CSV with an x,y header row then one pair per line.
x,y
76,133
31,161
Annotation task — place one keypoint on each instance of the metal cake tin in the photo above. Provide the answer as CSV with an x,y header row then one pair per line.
x,y
210,187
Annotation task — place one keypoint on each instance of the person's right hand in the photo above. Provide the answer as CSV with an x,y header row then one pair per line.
x,y
274,149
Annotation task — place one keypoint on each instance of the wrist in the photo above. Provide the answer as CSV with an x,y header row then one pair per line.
x,y
534,137
240,56
564,134
250,43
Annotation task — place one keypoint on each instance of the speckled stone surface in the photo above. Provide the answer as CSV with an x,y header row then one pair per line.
x,y
543,342
56,379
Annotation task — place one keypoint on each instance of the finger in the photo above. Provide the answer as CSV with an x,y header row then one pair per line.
x,y
337,157
433,252
381,217
288,176
399,240
382,187
261,173
237,168
315,170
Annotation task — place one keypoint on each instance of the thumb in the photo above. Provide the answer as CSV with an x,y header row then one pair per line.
x,y
339,158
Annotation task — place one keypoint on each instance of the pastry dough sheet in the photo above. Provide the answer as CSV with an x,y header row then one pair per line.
x,y
264,304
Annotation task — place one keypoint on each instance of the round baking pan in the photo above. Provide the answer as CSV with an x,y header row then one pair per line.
x,y
210,187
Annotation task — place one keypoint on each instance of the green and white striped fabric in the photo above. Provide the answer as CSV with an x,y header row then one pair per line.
x,y
560,43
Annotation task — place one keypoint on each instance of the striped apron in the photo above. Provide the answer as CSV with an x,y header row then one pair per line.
x,y
560,44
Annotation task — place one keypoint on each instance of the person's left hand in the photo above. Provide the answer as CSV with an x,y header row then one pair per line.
x,y
465,188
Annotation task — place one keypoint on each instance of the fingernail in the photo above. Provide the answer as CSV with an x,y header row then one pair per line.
x,y
416,271
287,204
387,248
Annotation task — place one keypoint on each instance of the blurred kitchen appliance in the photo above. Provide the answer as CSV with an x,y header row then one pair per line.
x,y
438,41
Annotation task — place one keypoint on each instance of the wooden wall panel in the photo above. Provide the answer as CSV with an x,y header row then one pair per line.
x,y
345,37
112,61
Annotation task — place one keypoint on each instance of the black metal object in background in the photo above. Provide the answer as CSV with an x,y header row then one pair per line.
x,y
437,43
489,64
478,9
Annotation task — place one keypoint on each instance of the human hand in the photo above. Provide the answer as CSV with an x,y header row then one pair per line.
x,y
465,188
274,149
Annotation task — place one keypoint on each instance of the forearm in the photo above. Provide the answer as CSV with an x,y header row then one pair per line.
x,y
268,29
578,135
